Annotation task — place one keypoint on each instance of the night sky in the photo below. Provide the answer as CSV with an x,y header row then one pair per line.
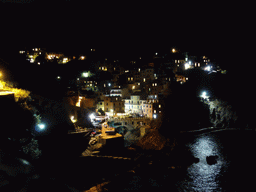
x,y
216,30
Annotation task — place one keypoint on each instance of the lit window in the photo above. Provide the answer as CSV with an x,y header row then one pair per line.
x,y
116,98
178,61
178,65
128,78
90,84
175,61
102,68
104,85
159,111
139,69
149,89
133,87
198,65
144,79
156,53
152,84
131,78
138,83
154,111
99,67
159,106
155,84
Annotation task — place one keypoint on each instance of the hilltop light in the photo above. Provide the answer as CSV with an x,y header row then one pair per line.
x,y
85,74
204,95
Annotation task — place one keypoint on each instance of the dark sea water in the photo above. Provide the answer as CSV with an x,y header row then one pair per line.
x,y
235,166
234,169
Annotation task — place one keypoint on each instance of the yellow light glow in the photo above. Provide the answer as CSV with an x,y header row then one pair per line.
x,y
72,118
173,50
78,104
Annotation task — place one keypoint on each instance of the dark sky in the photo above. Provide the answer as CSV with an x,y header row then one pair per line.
x,y
216,30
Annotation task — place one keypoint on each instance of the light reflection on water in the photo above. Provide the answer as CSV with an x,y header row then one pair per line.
x,y
201,176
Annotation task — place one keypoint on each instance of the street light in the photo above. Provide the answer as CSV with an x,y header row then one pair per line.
x,y
41,126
